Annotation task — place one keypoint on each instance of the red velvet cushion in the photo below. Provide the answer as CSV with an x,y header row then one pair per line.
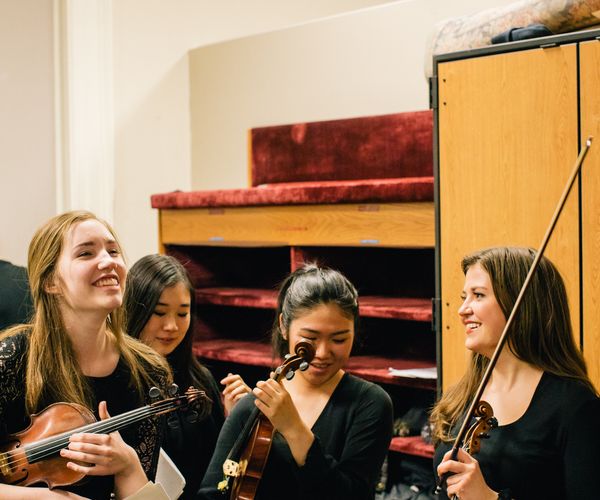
x,y
371,147
304,193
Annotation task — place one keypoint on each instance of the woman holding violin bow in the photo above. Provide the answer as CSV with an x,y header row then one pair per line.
x,y
75,350
332,430
546,441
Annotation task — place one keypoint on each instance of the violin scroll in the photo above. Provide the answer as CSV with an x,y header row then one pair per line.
x,y
484,422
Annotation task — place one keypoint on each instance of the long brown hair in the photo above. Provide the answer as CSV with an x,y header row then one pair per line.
x,y
53,373
146,281
541,333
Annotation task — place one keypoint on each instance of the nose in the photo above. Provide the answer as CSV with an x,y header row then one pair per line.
x,y
465,309
169,324
321,349
107,261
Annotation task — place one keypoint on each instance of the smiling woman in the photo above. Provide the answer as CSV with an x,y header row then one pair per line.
x,y
333,429
159,301
75,351
544,446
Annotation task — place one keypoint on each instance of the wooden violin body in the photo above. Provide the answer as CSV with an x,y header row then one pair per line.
x,y
257,437
32,456
20,468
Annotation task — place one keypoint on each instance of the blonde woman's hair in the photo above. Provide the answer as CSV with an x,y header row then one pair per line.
x,y
53,373
541,333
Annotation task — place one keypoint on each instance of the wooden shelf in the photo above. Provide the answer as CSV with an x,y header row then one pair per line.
x,y
373,368
412,445
411,309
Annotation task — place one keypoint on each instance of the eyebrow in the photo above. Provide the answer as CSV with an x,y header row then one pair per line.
x,y
108,241
341,332
185,304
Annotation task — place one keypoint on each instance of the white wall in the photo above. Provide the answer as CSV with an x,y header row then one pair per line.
x,y
27,191
367,62
151,88
364,62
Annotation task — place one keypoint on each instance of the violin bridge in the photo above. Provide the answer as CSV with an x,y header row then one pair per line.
x,y
231,468
4,466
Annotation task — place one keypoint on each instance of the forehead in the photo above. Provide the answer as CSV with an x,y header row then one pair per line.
x,y
175,295
476,276
89,230
322,314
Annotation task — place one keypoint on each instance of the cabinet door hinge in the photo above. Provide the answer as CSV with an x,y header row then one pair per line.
x,y
435,314
433,92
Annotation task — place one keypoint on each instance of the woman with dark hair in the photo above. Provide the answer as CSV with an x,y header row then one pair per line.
x,y
545,443
75,350
159,302
332,429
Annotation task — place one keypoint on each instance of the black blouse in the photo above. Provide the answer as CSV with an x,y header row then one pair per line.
x,y
115,389
548,453
352,436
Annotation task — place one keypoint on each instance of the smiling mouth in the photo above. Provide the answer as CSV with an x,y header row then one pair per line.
x,y
472,326
112,281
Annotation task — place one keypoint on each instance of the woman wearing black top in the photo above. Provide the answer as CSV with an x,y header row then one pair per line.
x,y
545,444
333,429
75,350
159,301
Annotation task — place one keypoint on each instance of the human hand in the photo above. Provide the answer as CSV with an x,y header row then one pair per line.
x,y
466,481
275,402
235,389
106,454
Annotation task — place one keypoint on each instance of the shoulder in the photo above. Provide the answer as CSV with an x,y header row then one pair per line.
x,y
564,390
564,396
13,348
365,393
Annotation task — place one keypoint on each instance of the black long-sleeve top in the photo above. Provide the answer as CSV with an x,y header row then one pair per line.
x,y
190,442
115,389
551,452
352,436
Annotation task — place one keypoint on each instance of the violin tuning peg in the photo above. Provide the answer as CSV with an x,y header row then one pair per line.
x,y
289,375
303,366
173,390
154,393
287,356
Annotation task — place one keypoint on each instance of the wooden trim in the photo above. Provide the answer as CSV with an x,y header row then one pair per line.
x,y
590,205
389,225
507,144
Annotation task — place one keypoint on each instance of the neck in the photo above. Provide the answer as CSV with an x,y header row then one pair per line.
x,y
510,371
94,349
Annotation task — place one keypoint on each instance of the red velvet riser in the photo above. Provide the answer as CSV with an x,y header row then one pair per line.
x,y
307,193
371,147
409,309
372,368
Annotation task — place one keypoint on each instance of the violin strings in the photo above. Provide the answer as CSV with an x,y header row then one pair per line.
x,y
49,446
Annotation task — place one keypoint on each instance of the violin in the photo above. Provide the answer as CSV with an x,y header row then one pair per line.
x,y
469,439
247,459
32,455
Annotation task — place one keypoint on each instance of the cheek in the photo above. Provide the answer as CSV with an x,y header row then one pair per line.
x,y
148,333
184,325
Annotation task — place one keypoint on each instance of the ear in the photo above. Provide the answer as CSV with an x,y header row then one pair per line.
x,y
281,328
51,285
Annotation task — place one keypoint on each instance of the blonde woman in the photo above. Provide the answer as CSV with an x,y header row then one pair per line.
x,y
74,350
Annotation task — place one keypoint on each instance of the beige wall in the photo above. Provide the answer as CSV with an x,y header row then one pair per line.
x,y
27,192
363,63
151,88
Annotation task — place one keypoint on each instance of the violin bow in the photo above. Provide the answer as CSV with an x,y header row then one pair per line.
x,y
459,441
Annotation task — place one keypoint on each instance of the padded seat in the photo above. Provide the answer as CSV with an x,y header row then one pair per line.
x,y
400,190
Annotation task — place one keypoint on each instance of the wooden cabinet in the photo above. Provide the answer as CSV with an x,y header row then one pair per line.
x,y
509,121
237,256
